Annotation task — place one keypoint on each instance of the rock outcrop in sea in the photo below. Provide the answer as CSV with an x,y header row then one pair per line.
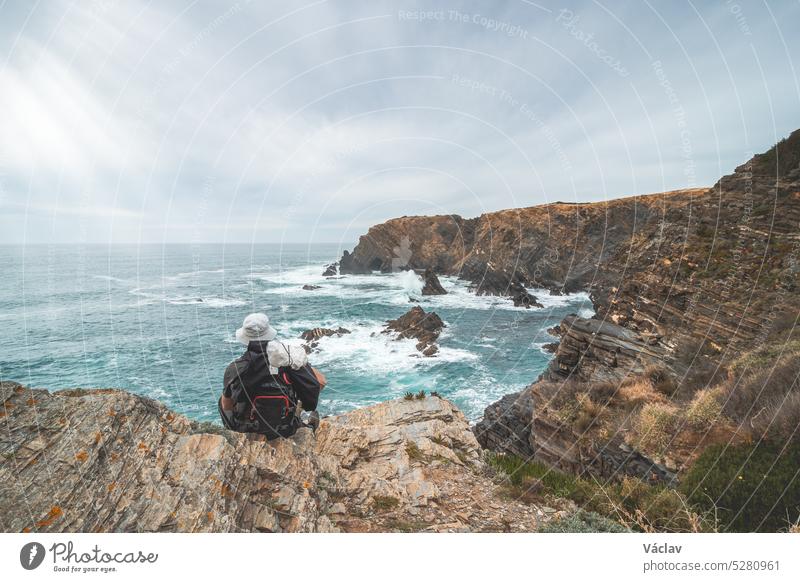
x,y
431,284
111,461
420,325
500,283
311,337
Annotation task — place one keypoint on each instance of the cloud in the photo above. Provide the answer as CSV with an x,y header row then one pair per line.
x,y
128,122
55,210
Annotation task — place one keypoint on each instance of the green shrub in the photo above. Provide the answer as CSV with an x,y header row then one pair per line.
x,y
384,502
554,482
584,522
753,487
764,357
650,507
408,396
637,505
414,452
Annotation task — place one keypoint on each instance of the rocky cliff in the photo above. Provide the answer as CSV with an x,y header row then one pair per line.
x,y
111,461
557,246
683,284
679,300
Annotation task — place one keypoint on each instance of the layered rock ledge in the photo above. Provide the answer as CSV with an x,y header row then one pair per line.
x,y
111,461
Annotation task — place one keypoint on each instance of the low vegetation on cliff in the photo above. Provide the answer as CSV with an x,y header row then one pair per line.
x,y
734,446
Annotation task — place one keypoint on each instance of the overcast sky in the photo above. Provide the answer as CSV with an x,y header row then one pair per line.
x,y
309,122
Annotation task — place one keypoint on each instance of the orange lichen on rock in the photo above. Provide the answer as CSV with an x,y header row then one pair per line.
x,y
54,513
82,456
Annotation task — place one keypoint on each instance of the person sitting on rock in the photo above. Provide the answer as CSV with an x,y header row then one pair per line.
x,y
268,387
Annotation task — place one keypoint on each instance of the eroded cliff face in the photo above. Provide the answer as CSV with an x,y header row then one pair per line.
x,y
556,246
718,265
717,277
111,461
682,282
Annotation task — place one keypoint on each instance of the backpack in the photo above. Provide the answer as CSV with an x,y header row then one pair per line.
x,y
264,402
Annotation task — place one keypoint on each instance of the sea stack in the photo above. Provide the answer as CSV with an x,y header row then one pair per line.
x,y
432,285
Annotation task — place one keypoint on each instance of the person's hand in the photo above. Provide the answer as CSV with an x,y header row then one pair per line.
x,y
323,381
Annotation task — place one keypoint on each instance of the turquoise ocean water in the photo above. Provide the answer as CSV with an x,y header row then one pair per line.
x,y
159,320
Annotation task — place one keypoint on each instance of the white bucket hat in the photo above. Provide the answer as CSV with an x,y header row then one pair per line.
x,y
256,328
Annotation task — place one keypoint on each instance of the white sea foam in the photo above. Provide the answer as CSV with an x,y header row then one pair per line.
x,y
190,274
111,279
369,351
307,274
398,288
218,302
460,297
145,298
411,282
544,297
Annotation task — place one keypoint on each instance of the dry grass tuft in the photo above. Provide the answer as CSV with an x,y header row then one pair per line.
x,y
705,409
637,392
655,426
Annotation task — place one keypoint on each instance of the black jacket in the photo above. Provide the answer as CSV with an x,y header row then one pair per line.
x,y
303,381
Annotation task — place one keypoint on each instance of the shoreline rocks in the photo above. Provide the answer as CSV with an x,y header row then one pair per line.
x,y
350,265
312,336
418,324
501,284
